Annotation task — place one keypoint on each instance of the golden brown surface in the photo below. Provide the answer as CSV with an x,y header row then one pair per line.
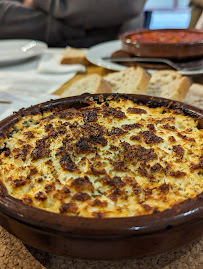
x,y
116,159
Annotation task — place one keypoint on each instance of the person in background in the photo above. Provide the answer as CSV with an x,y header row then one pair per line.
x,y
196,12
77,23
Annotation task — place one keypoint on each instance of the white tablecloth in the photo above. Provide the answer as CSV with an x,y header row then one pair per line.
x,y
33,81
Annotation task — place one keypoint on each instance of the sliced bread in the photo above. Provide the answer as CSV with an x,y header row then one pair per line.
x,y
92,84
129,80
168,84
195,95
74,56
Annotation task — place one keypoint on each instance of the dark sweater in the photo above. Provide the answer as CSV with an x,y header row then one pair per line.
x,y
79,23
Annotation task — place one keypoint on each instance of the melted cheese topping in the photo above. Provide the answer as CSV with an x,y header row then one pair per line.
x,y
114,159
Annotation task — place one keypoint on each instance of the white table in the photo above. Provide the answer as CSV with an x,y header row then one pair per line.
x,y
28,83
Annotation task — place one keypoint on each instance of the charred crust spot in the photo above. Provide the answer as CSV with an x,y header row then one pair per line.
x,y
23,152
132,126
134,110
62,194
75,130
116,113
99,214
177,174
151,138
156,168
98,139
114,194
82,183
48,127
138,152
94,133
99,203
119,166
29,134
49,187
18,183
53,133
68,208
167,169
169,127
172,139
135,137
116,131
197,166
27,200
90,116
40,196
61,129
20,141
130,180
115,181
148,192
106,104
164,120
49,162
67,163
164,187
39,180
2,135
151,127
190,139
65,190
143,172
146,207
83,145
96,171
178,150
186,138
7,152
69,114
136,190
41,150
66,141
114,148
151,177
33,171
81,196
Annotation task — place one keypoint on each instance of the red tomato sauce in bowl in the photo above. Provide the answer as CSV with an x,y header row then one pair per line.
x,y
167,37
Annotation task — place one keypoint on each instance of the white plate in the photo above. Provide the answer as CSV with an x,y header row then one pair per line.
x,y
15,50
97,52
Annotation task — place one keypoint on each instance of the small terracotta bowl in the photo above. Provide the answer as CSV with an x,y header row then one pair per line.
x,y
110,238
178,51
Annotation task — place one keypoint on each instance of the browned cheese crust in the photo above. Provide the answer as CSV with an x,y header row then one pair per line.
x,y
115,159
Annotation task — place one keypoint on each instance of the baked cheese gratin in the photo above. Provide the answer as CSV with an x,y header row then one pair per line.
x,y
110,159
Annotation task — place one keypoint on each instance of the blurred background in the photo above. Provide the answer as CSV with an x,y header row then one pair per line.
x,y
167,14
86,23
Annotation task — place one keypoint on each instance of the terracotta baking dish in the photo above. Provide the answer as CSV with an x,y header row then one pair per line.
x,y
110,238
176,50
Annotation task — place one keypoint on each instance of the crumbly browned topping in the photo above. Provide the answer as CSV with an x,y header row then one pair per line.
x,y
112,159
